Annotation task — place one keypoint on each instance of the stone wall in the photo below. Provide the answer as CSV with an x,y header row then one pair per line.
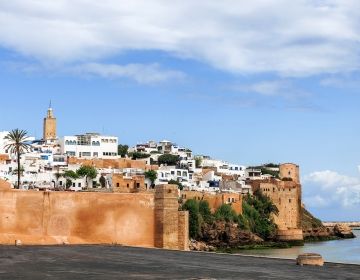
x,y
216,200
134,219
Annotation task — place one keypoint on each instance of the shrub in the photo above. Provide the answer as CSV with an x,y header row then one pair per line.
x,y
226,213
168,159
192,206
205,212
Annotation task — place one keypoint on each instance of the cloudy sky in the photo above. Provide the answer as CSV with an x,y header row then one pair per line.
x,y
245,81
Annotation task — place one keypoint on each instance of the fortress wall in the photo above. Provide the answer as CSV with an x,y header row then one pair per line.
x,y
149,219
77,218
216,200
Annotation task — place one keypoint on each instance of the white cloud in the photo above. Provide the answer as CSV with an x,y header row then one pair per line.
x,y
316,201
330,179
142,73
304,38
334,189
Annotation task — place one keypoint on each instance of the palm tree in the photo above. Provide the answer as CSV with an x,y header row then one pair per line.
x,y
17,145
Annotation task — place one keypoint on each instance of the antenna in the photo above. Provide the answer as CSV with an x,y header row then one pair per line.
x,y
50,104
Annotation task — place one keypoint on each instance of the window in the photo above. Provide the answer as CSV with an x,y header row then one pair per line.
x,y
79,185
172,172
184,174
289,200
137,185
127,185
178,173
233,199
118,185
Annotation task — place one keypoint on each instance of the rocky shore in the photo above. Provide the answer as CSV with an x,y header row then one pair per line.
x,y
315,230
227,236
338,231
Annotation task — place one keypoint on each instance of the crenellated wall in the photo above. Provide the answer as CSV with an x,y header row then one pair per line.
x,y
134,219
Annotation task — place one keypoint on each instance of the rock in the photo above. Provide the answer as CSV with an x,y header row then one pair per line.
x,y
343,231
200,246
226,234
310,259
18,242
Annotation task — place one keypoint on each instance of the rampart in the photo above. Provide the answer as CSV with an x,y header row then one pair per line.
x,y
134,219
216,200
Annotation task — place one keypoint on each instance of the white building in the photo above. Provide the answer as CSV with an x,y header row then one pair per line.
x,y
90,145
224,167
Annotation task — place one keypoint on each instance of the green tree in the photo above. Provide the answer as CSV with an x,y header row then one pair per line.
x,y
70,175
226,213
17,145
192,206
151,175
88,172
257,215
168,159
205,212
123,150
198,161
173,182
138,155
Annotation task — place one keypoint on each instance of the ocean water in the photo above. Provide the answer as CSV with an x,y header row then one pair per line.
x,y
342,251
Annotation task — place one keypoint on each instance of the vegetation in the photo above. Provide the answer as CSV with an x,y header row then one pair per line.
x,y
17,145
271,165
173,182
89,172
273,173
70,175
151,175
123,150
226,213
256,217
308,221
168,159
198,161
138,155
192,206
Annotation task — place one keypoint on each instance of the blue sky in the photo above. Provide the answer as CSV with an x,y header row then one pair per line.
x,y
245,82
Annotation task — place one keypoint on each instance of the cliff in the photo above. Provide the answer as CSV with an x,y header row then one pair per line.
x,y
315,230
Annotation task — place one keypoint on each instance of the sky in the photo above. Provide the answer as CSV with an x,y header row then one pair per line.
x,y
248,82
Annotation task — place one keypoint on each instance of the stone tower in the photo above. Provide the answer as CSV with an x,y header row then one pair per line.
x,y
49,125
291,171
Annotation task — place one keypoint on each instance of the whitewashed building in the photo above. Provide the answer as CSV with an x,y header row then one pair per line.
x,y
90,145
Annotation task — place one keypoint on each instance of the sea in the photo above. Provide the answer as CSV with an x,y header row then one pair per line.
x,y
339,251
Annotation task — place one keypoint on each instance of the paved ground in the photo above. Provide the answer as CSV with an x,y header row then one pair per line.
x,y
107,262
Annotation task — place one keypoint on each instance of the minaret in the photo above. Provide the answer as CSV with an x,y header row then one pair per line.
x,y
49,125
